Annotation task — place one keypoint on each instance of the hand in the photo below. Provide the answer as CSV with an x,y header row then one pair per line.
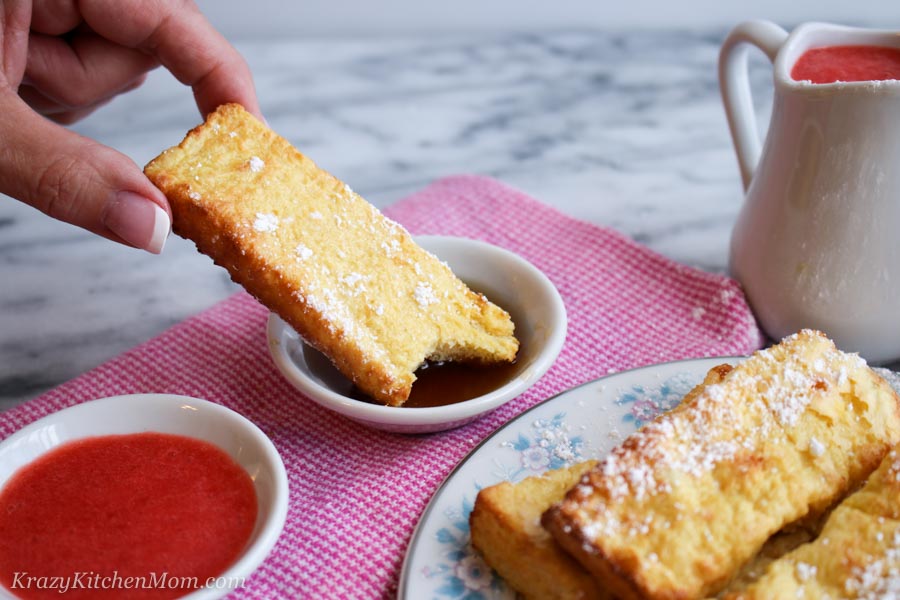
x,y
65,58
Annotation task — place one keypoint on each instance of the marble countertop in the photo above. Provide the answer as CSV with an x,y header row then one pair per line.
x,y
623,129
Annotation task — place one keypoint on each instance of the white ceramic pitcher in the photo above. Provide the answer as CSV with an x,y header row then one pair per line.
x,y
817,242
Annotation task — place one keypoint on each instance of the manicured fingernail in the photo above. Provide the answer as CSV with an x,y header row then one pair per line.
x,y
139,221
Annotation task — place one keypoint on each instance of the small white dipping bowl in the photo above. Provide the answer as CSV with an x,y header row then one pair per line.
x,y
180,415
506,279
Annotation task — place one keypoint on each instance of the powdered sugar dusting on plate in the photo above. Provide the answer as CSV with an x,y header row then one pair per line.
x,y
256,164
816,448
424,294
880,578
693,442
891,377
266,223
355,283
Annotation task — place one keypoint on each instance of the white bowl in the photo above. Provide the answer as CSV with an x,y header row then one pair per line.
x,y
506,279
181,415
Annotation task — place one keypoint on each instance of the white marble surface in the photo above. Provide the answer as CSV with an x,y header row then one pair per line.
x,y
623,129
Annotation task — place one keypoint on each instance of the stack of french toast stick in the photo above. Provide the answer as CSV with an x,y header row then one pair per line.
x,y
776,478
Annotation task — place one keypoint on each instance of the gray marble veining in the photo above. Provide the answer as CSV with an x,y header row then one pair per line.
x,y
623,129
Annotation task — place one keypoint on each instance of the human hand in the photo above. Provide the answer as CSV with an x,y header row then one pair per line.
x,y
65,58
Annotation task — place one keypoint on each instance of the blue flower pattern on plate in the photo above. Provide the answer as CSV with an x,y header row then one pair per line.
x,y
646,404
548,447
463,572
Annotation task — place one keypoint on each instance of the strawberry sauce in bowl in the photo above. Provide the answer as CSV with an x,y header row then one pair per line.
x,y
147,496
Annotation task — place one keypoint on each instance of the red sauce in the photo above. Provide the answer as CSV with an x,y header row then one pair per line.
x,y
124,506
847,63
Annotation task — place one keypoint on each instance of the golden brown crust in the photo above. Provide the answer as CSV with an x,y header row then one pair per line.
x,y
351,282
678,508
857,554
616,573
506,531
505,525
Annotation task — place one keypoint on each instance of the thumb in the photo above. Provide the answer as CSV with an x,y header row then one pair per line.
x,y
79,181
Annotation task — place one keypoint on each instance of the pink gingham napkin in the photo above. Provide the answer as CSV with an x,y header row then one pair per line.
x,y
356,493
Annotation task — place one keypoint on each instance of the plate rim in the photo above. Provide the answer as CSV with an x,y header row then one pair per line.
x,y
403,583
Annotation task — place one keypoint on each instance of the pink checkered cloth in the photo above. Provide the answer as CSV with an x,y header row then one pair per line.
x,y
355,493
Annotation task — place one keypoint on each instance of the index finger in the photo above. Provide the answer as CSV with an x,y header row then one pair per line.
x,y
180,37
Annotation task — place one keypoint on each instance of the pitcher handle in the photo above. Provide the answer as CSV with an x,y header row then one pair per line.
x,y
734,83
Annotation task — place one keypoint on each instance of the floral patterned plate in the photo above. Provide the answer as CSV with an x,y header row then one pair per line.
x,y
581,423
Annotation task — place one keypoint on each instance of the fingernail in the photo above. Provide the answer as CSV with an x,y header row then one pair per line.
x,y
139,221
